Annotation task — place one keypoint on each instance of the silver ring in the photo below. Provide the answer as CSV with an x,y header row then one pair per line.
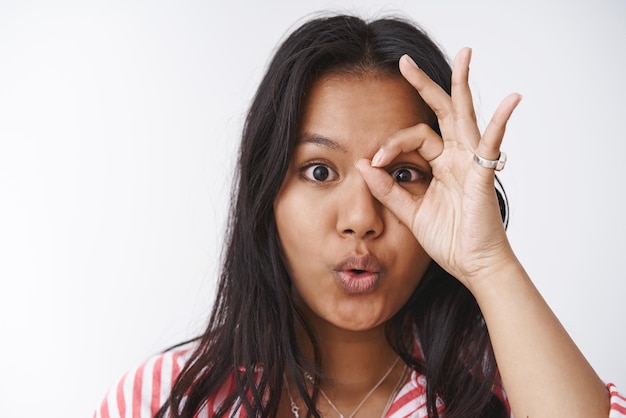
x,y
497,165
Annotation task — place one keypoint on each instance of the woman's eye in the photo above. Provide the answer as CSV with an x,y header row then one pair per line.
x,y
406,175
319,173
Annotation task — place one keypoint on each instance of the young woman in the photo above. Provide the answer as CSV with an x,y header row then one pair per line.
x,y
367,272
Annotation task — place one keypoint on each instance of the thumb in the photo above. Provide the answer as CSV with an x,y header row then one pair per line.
x,y
394,197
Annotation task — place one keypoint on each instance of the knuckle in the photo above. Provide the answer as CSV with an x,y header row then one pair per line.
x,y
463,116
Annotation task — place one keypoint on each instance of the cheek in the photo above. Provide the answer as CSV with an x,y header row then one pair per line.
x,y
417,271
410,258
411,266
302,221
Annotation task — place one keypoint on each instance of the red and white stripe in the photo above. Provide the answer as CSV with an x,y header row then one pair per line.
x,y
141,392
618,403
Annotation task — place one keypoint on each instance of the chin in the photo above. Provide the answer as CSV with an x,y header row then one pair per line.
x,y
356,321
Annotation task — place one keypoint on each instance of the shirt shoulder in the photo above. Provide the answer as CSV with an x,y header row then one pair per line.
x,y
142,390
618,402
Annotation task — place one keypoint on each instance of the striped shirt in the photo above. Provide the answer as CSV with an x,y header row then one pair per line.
x,y
141,392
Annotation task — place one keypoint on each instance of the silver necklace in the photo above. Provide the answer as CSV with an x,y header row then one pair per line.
x,y
295,410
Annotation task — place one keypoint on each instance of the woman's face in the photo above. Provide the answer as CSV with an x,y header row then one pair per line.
x,y
352,263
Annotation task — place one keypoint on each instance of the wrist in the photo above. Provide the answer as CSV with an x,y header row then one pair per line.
x,y
498,271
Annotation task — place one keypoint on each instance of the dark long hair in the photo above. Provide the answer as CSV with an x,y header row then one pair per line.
x,y
251,336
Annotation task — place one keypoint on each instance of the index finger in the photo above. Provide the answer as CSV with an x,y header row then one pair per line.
x,y
397,199
432,93
420,138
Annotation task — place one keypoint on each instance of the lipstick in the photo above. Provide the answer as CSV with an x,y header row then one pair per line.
x,y
358,274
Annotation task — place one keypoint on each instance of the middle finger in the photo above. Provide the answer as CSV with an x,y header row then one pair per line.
x,y
463,113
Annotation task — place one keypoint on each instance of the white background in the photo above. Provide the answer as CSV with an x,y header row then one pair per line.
x,y
119,123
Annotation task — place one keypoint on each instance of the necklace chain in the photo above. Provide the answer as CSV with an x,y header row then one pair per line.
x,y
295,410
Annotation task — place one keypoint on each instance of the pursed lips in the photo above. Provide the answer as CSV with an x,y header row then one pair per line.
x,y
358,274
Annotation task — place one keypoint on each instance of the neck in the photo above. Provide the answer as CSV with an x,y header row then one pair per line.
x,y
360,371
352,361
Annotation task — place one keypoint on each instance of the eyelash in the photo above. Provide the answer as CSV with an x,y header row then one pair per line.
x,y
421,176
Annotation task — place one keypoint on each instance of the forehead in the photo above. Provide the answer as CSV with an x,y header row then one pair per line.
x,y
368,106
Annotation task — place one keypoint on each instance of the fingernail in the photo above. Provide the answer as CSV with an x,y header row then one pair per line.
x,y
410,60
378,157
358,162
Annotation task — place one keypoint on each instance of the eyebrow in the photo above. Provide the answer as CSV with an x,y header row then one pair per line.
x,y
310,138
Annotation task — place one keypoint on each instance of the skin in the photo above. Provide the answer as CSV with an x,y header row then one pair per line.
x,y
455,221
320,223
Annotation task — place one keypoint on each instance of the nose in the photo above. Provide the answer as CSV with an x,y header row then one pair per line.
x,y
360,214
